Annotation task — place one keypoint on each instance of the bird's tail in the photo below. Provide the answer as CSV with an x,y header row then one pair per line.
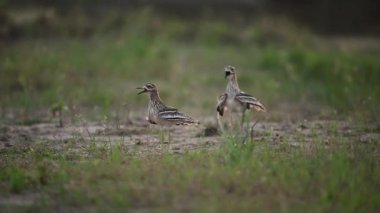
x,y
259,107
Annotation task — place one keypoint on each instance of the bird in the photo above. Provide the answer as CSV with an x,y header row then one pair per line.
x,y
234,99
161,114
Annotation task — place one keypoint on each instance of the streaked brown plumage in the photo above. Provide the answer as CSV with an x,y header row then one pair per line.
x,y
159,113
235,100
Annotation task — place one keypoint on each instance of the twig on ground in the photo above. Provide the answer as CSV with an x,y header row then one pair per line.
x,y
250,133
251,130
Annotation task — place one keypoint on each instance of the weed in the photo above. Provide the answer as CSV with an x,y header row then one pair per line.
x,y
17,180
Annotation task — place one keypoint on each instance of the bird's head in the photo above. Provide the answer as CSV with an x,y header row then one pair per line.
x,y
149,87
229,71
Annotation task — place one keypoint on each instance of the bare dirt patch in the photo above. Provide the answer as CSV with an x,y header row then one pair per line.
x,y
142,137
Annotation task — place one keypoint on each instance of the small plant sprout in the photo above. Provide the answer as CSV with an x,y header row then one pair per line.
x,y
57,111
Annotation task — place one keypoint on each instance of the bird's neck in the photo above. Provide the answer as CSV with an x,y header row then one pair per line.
x,y
232,85
155,98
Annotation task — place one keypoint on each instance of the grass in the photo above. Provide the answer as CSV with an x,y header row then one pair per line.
x,y
92,68
277,62
262,176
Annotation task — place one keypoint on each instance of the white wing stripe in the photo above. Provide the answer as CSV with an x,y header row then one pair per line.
x,y
172,115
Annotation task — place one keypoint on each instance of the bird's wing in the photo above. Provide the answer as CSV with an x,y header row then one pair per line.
x,y
222,104
175,116
250,101
168,108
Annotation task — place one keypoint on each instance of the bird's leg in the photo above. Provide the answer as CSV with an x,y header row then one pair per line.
x,y
149,132
251,130
242,120
220,122
248,123
169,136
244,130
162,136
230,121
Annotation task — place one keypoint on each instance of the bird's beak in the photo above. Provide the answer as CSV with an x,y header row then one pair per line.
x,y
144,90
227,74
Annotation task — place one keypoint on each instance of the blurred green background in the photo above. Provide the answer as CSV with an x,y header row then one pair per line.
x,y
301,60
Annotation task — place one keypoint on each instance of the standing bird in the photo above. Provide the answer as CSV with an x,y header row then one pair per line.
x,y
159,113
234,99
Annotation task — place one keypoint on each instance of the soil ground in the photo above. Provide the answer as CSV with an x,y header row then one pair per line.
x,y
138,135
